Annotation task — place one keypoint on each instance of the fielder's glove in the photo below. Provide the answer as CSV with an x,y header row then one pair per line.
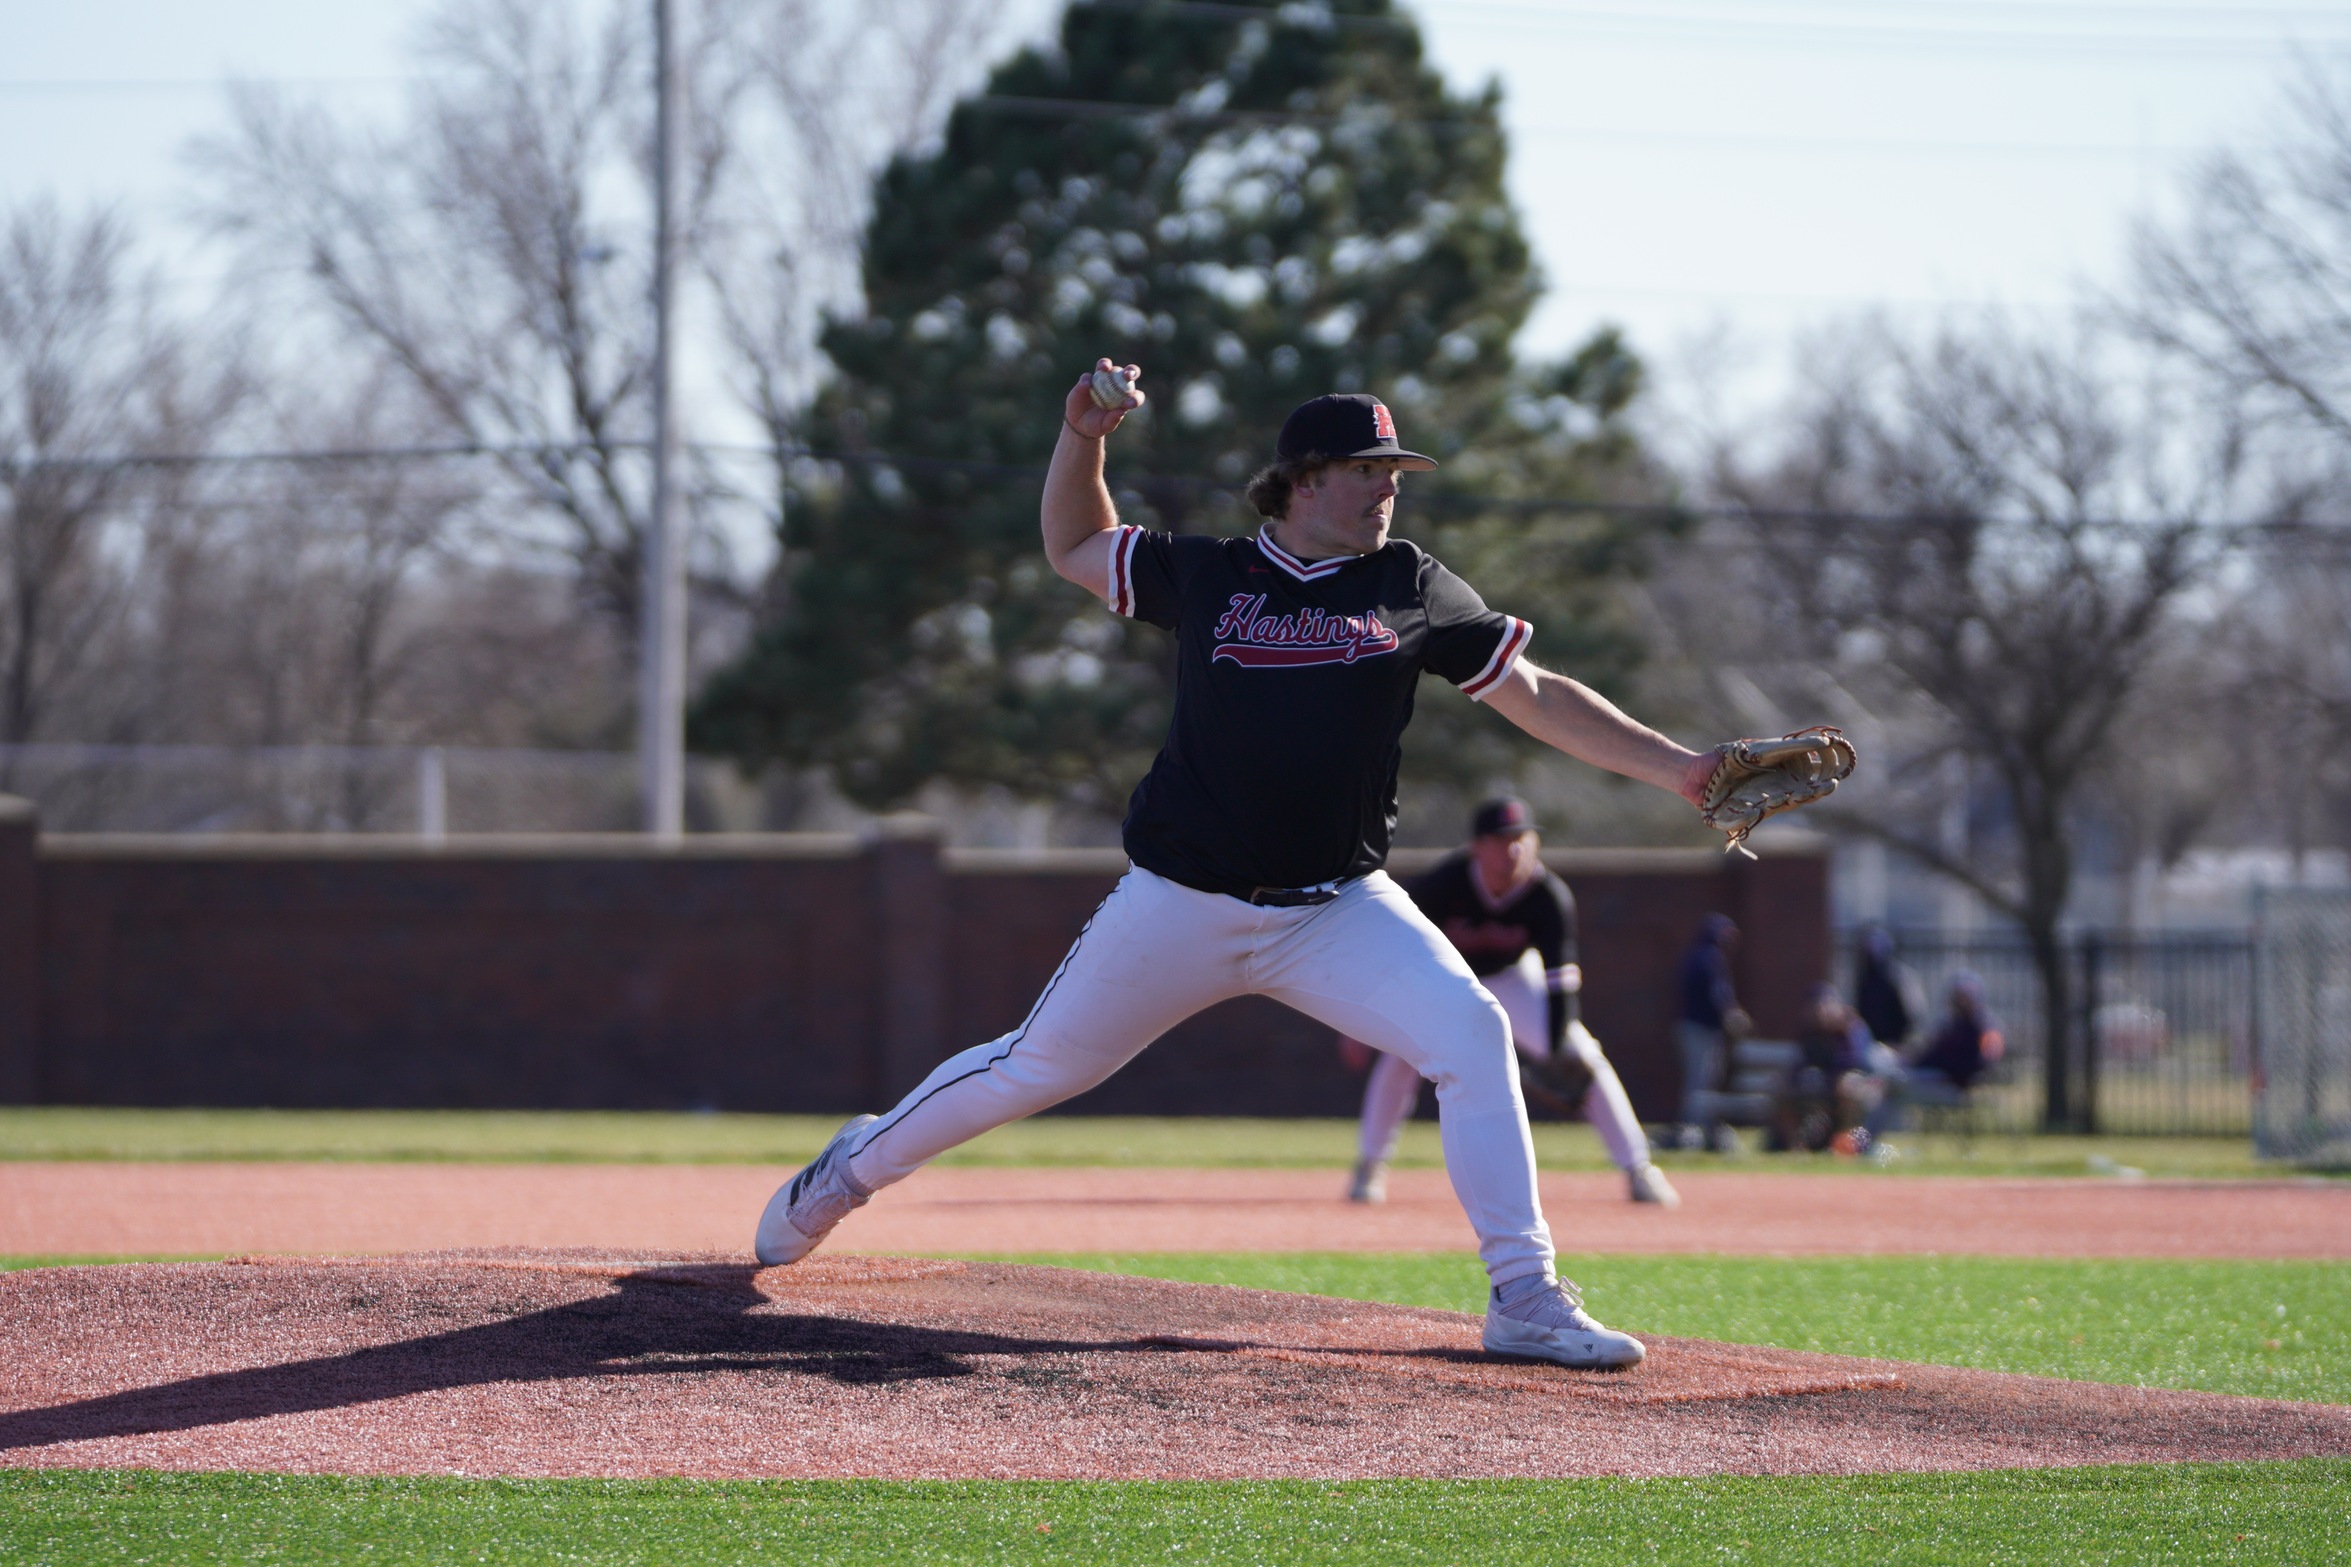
x,y
1756,779
1553,1085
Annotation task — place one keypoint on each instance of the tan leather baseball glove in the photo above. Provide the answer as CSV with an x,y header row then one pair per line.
x,y
1754,780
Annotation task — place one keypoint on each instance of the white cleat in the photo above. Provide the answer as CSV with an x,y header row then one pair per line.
x,y
805,1208
1370,1182
1648,1184
1553,1326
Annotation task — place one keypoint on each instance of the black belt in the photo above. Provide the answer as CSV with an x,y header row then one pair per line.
x,y
1294,897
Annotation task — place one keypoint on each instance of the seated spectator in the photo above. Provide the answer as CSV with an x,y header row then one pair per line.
x,y
1834,1039
1959,1052
1967,1043
1834,1049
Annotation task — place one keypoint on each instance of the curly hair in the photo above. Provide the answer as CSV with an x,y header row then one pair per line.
x,y
1270,486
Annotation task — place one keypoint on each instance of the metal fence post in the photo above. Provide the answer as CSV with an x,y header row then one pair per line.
x,y
2056,1052
20,955
2093,966
432,796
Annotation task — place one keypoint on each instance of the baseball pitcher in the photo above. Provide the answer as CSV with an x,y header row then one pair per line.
x,y
1258,835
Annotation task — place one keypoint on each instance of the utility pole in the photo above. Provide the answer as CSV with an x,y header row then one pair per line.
x,y
661,692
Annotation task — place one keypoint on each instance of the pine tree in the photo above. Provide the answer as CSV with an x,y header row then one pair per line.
x,y
1257,209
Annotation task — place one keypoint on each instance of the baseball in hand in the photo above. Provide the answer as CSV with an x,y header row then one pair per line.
x,y
1111,388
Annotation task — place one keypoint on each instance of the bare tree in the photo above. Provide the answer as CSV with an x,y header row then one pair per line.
x,y
830,93
2253,284
1977,538
91,374
327,561
2282,676
154,589
496,250
494,247
2250,289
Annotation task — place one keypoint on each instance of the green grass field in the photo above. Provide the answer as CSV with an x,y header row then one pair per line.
x,y
493,1136
2234,1513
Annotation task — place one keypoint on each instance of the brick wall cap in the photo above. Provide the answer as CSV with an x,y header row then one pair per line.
x,y
1009,862
906,827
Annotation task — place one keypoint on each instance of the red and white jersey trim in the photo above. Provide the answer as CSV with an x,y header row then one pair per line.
x,y
1122,570
1304,571
1515,638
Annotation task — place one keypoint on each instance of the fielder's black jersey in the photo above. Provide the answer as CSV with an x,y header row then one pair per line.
x,y
1493,936
1294,681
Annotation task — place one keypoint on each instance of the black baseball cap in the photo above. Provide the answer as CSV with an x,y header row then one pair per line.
x,y
1508,814
1346,424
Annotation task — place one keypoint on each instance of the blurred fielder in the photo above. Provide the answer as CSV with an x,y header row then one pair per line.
x,y
1514,924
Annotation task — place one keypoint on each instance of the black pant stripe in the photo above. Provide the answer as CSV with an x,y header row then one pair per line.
x,y
1011,1040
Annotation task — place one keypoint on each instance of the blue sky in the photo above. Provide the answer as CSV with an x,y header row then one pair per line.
x,y
1685,165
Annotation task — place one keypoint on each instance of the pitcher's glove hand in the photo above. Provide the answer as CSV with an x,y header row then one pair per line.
x,y
1752,780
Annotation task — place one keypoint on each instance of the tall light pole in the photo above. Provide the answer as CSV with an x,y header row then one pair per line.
x,y
661,688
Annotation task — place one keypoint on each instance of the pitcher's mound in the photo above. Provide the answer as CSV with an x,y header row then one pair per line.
x,y
521,1363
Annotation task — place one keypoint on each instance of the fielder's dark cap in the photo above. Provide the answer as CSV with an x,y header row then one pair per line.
x,y
1346,424
1507,814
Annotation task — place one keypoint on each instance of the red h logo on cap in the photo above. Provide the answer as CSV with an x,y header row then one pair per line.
x,y
1383,423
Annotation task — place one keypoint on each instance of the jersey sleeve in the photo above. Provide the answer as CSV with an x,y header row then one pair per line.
x,y
1143,576
1468,644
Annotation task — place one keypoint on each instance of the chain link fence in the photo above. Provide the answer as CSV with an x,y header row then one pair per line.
x,y
2302,1096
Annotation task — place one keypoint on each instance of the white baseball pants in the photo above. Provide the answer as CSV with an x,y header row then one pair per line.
x,y
1394,1086
1368,963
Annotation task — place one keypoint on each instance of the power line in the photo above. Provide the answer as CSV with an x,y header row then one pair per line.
x,y
1715,27
1891,146
1100,109
1624,135
35,86
2330,531
16,466
1874,12
2337,534
1718,27
1318,15
1685,26
72,753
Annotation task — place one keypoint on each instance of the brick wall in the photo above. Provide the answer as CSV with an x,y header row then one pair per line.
x,y
772,972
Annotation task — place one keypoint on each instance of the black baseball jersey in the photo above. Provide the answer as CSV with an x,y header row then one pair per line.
x,y
1493,936
1294,681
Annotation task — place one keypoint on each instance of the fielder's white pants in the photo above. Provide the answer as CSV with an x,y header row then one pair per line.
x,y
1368,963
1394,1086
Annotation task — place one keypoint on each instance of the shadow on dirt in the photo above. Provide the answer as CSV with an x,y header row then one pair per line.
x,y
671,1322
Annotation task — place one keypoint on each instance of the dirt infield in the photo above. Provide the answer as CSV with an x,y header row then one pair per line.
x,y
569,1364
205,1209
